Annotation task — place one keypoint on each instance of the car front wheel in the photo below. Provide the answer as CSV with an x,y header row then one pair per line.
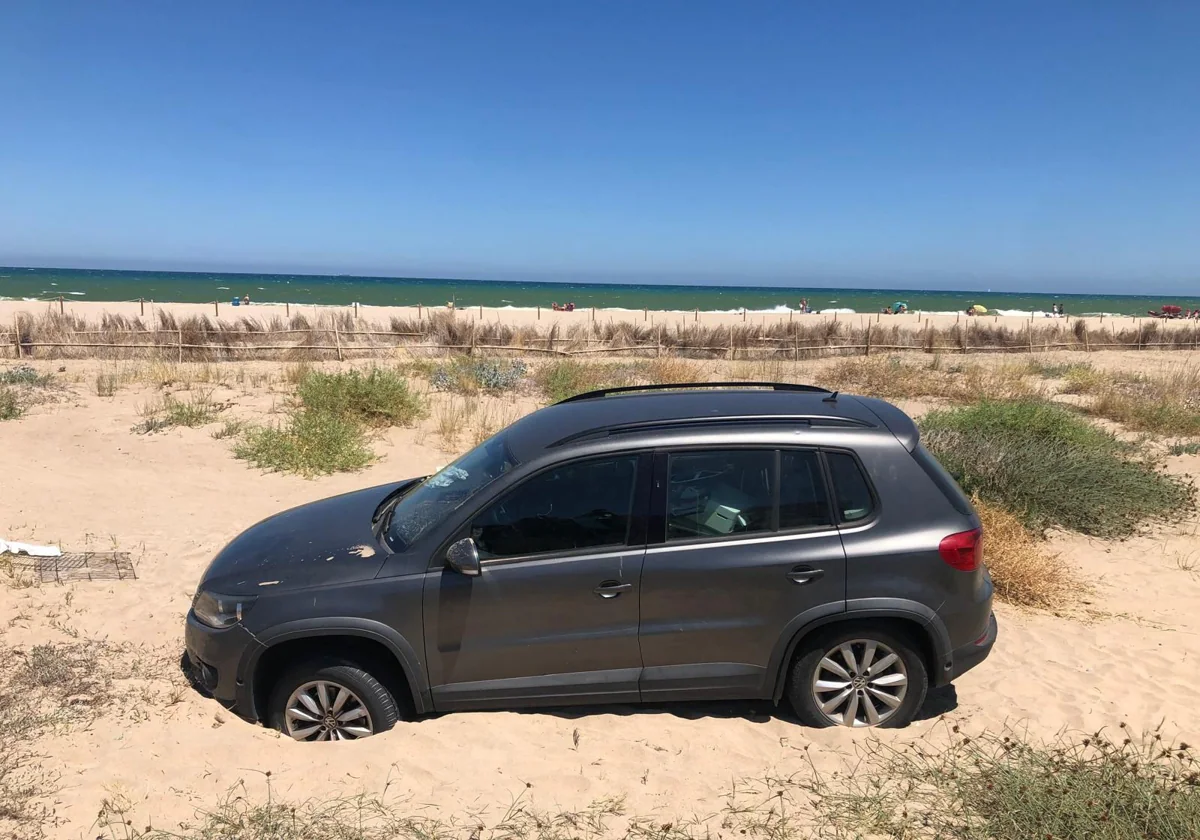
x,y
858,678
331,702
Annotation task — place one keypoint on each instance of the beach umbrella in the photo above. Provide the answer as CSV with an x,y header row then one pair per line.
x,y
979,309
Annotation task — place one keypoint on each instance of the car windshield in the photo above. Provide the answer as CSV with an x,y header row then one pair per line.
x,y
440,494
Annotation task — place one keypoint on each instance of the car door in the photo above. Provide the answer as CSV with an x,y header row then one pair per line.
x,y
553,616
746,545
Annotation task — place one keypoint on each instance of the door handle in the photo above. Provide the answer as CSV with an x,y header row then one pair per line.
x,y
612,588
805,574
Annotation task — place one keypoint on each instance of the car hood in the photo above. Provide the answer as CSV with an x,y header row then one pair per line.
x,y
326,542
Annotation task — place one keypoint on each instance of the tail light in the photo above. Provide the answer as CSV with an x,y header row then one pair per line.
x,y
964,550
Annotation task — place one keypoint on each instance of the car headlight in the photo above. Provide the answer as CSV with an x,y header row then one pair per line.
x,y
221,611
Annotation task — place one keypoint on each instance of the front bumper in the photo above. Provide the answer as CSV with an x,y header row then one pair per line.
x,y
218,660
968,656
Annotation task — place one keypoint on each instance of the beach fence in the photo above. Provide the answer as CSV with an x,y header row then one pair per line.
x,y
338,334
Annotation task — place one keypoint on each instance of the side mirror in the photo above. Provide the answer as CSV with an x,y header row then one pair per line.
x,y
463,557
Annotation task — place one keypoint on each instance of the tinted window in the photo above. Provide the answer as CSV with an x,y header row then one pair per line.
x,y
802,502
850,487
581,505
714,494
937,473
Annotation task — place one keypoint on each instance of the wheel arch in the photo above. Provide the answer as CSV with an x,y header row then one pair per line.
x,y
912,617
363,642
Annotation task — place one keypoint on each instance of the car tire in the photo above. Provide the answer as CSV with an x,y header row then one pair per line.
x,y
887,697
321,708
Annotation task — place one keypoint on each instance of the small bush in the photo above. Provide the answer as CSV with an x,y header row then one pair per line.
x,y
1009,788
24,375
1051,467
311,443
669,370
464,375
168,412
1164,403
378,399
560,380
1191,448
891,377
107,384
231,428
10,406
1023,573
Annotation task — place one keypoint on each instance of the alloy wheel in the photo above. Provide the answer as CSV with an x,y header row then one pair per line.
x,y
860,683
325,711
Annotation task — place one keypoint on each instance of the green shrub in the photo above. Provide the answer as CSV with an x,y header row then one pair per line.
x,y
198,410
566,378
1051,467
466,375
310,443
378,399
24,375
1006,788
1192,448
10,406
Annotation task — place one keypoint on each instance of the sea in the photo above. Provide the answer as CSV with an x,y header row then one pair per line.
x,y
17,283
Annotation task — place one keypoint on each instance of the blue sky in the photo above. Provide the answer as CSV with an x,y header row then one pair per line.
x,y
960,143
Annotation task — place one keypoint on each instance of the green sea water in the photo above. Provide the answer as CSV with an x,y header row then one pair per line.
x,y
195,287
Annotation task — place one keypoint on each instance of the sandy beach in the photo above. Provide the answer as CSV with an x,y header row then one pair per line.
x,y
545,319
80,478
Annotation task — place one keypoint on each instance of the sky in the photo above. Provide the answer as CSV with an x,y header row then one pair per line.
x,y
1011,144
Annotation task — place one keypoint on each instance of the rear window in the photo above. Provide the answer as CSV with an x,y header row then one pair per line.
x,y
850,487
938,475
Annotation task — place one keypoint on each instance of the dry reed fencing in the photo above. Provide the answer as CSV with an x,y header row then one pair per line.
x,y
342,336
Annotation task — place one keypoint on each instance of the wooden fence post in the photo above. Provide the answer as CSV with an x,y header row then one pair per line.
x,y
337,339
181,345
16,338
1030,331
217,308
142,304
731,342
868,353
61,310
355,310
287,309
1086,345
796,346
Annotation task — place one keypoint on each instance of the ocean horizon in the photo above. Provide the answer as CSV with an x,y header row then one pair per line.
x,y
31,284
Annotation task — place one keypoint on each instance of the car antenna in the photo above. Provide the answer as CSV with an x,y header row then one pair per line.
x,y
831,398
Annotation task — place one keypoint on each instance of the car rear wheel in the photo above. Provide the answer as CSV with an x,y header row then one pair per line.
x,y
331,702
858,678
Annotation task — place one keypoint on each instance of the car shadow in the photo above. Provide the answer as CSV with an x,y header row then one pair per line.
x,y
938,701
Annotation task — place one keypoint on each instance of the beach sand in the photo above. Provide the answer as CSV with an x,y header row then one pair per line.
x,y
545,319
77,476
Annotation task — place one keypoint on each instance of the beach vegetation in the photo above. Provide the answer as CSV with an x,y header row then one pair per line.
x,y
894,377
10,405
1165,403
985,786
1189,448
107,384
468,375
307,443
24,375
563,378
1052,468
1024,572
378,398
169,411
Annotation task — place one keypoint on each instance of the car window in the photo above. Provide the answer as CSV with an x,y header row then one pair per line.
x,y
850,486
715,494
586,504
802,500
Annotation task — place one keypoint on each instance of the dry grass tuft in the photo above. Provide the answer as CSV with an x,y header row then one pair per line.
x,y
893,377
1023,573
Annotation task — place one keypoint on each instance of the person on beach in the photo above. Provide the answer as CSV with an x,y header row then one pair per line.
x,y
245,300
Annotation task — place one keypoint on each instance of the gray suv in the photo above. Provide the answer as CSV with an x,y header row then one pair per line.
x,y
688,542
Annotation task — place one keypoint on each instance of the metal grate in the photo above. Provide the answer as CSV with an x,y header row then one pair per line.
x,y
88,565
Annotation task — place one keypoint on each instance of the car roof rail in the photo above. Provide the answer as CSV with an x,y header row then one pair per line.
x,y
685,386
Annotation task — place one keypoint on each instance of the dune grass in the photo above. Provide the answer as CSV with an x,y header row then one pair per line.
x,y
377,399
1004,786
308,443
1166,403
169,411
10,405
1023,572
893,377
1051,467
328,421
559,380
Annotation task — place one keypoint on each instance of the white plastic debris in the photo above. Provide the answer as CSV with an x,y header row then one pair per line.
x,y
30,549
